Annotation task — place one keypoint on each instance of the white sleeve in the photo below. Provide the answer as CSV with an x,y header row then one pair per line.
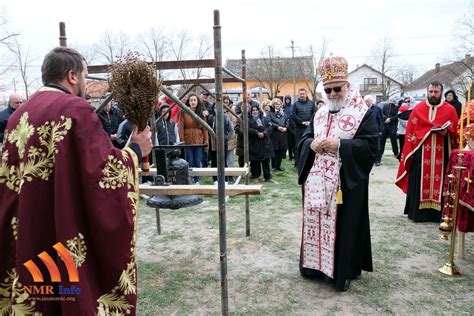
x,y
176,132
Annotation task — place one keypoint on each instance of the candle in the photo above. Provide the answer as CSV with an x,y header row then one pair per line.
x,y
461,130
468,104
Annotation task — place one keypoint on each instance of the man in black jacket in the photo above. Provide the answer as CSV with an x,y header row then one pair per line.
x,y
302,112
390,117
13,103
369,99
111,118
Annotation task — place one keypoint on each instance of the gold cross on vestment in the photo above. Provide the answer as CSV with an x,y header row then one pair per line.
x,y
469,181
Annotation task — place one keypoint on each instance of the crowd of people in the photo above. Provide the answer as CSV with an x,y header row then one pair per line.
x,y
77,170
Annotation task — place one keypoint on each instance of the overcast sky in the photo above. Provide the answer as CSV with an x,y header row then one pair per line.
x,y
421,30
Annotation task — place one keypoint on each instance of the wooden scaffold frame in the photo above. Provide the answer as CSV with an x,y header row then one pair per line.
x,y
221,190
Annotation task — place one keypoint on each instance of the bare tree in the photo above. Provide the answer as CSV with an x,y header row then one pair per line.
x,y
6,40
460,72
305,66
462,68
204,51
88,51
182,47
155,46
178,44
383,61
406,73
269,71
6,36
464,34
113,46
23,63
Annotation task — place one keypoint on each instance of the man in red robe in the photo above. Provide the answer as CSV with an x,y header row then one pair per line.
x,y
430,136
68,203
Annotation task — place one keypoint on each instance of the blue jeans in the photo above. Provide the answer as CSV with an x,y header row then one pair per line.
x,y
194,157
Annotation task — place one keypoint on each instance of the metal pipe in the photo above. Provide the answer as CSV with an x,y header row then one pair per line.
x,y
174,104
186,109
62,34
245,118
237,181
230,73
220,163
96,78
228,108
105,102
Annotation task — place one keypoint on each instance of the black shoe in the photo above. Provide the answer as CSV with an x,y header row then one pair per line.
x,y
377,163
347,284
280,169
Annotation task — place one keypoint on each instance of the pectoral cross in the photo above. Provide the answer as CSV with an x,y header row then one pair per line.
x,y
469,181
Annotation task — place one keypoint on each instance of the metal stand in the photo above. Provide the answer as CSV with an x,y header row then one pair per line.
x,y
450,268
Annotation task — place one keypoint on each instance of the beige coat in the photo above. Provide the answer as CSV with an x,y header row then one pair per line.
x,y
190,131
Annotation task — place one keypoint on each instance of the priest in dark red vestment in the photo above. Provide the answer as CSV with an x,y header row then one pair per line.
x,y
68,203
337,153
430,136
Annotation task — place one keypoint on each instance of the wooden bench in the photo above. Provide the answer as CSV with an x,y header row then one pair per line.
x,y
206,172
230,190
207,189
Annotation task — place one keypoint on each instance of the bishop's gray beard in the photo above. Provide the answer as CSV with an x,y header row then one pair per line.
x,y
334,105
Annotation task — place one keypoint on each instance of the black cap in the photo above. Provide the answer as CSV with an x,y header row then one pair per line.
x,y
205,92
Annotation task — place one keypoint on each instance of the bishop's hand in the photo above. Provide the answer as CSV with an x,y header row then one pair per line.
x,y
330,144
316,146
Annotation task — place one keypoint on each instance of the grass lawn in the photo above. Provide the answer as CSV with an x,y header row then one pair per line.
x,y
178,271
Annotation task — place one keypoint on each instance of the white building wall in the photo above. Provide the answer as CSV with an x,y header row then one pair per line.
x,y
357,78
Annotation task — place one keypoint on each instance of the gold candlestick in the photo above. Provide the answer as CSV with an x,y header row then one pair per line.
x,y
450,268
446,226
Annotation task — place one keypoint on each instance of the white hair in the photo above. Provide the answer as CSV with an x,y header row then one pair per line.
x,y
369,97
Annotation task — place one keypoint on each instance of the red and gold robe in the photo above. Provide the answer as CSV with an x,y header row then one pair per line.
x,y
419,135
68,212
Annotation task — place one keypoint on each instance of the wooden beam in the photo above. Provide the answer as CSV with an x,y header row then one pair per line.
x,y
206,172
162,65
231,190
195,81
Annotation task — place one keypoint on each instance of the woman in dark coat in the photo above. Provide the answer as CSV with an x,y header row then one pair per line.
x,y
279,123
260,144
452,99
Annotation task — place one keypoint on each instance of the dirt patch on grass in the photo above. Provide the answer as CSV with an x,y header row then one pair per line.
x,y
179,271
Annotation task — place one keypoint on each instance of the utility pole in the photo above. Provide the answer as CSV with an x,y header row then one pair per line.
x,y
294,67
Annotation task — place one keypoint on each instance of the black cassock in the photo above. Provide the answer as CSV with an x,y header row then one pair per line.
x,y
412,204
352,248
